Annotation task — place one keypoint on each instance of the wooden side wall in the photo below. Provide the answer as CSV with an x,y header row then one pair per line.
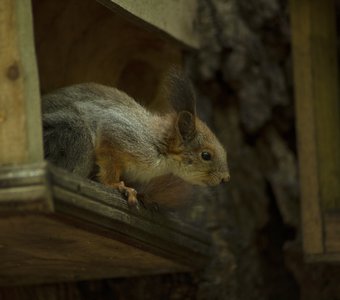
x,y
83,41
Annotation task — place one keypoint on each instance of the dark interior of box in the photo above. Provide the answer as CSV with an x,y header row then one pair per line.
x,y
84,41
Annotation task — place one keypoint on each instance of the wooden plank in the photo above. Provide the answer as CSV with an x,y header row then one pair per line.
x,y
58,227
133,229
332,233
25,188
323,43
301,24
323,258
24,199
23,175
20,119
114,51
173,18
40,249
62,179
156,231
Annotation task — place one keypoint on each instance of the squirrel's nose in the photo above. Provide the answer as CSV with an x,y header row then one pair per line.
x,y
225,178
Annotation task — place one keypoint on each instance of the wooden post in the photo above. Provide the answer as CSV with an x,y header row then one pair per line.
x,y
20,116
317,113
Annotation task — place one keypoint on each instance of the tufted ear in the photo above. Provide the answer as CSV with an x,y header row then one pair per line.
x,y
182,96
186,125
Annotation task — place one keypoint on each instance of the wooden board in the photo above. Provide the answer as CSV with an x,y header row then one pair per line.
x,y
20,117
331,240
317,114
66,228
173,18
332,233
84,41
41,249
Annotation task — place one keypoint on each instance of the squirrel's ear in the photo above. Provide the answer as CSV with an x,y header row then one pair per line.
x,y
182,94
186,125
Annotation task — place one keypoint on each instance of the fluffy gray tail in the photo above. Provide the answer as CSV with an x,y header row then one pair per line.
x,y
67,143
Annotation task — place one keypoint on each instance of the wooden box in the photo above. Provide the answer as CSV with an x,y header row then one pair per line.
x,y
55,226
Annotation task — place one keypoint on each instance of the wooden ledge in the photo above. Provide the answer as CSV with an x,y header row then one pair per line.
x,y
174,19
55,226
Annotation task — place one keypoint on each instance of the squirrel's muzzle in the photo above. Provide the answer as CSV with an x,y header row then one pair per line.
x,y
225,178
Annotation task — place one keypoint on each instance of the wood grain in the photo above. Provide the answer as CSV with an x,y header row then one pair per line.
x,y
37,248
173,18
20,120
326,100
305,120
317,113
86,42
59,227
332,233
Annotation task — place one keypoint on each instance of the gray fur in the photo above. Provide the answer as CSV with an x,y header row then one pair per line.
x,y
76,116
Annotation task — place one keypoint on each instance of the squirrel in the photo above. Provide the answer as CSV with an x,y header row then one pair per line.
x,y
88,127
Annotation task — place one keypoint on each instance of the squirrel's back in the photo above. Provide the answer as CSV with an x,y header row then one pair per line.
x,y
75,118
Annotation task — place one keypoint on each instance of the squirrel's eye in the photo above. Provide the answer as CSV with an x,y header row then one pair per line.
x,y
206,155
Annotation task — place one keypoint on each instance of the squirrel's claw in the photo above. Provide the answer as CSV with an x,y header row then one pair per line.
x,y
131,196
129,193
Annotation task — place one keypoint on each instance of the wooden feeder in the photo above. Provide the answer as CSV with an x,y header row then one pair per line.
x,y
53,225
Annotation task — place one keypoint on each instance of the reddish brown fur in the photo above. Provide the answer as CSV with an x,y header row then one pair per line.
x,y
111,163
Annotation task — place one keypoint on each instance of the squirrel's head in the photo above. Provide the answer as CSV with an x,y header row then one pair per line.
x,y
201,159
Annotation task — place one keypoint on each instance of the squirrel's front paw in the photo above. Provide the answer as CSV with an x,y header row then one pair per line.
x,y
129,193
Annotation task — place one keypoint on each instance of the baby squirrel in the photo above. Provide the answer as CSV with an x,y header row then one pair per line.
x,y
92,125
